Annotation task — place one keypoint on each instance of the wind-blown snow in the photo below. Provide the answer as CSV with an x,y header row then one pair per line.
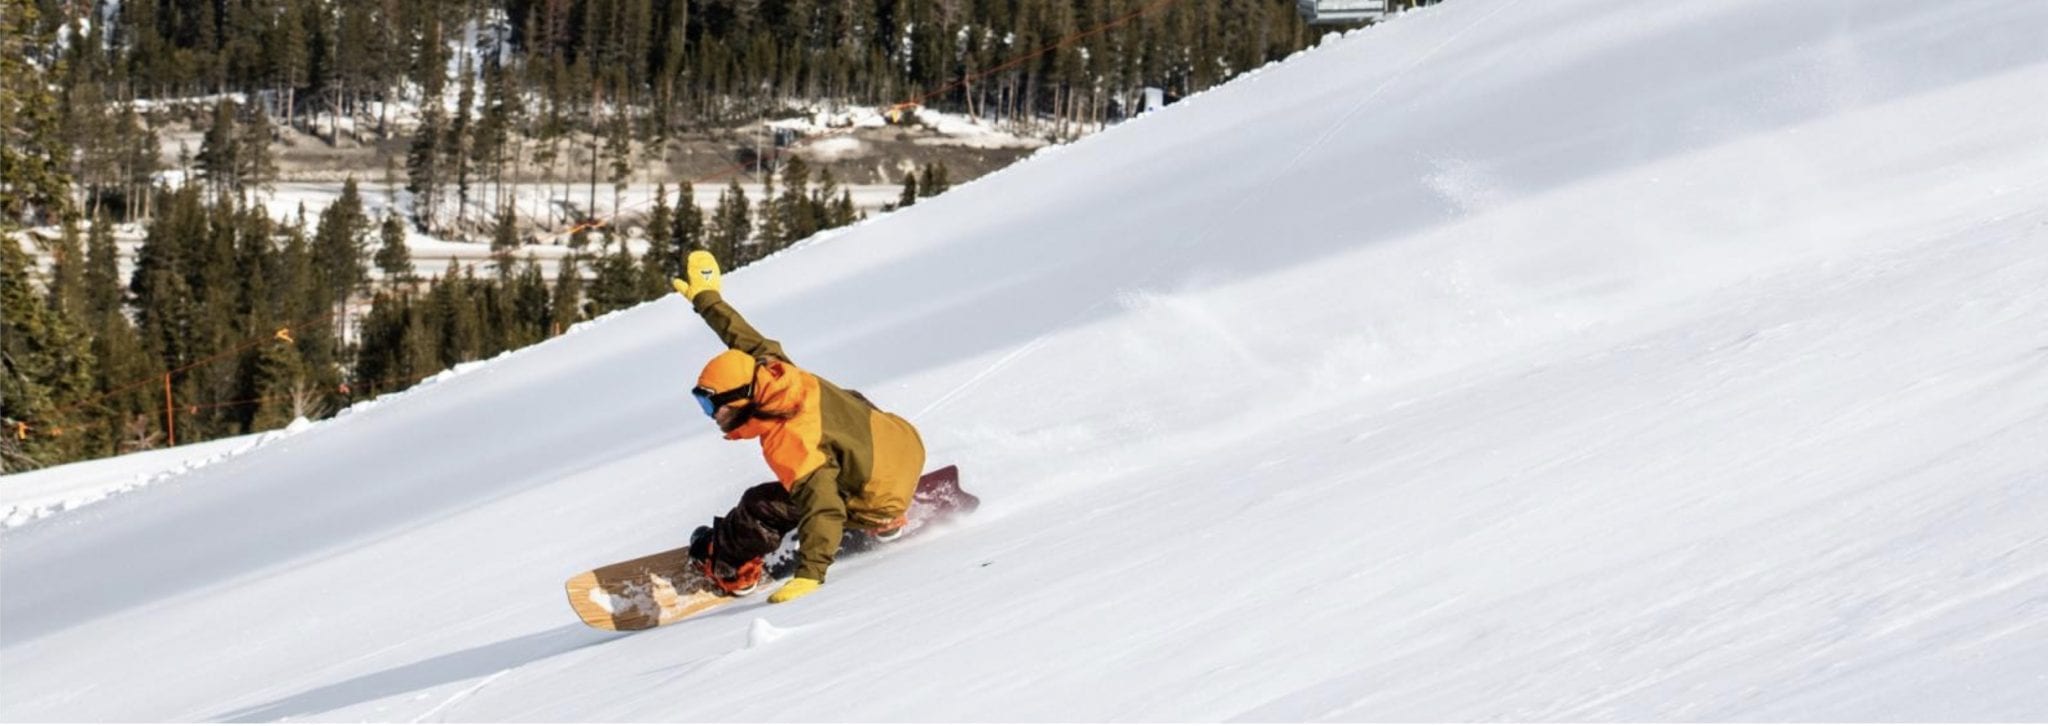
x,y
1516,359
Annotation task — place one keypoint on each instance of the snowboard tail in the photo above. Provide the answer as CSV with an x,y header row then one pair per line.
x,y
666,587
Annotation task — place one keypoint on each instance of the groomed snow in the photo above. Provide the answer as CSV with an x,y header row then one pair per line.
x,y
1516,359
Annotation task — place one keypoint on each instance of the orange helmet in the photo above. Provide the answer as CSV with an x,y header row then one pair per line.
x,y
727,379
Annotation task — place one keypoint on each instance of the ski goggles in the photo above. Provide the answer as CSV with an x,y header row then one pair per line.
x,y
711,402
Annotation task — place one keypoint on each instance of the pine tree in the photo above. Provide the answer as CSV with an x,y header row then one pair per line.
x,y
283,390
67,293
33,184
455,148
566,304
732,226
423,166
494,131
530,303
287,59
339,247
619,149
660,223
102,273
909,196
379,349
255,165
394,259
220,154
654,263
843,212
689,232
461,332
505,232
141,159
796,213
508,331
419,345
167,310
935,181
617,284
116,349
48,364
825,202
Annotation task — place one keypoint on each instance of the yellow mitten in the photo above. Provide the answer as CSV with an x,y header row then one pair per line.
x,y
797,587
700,273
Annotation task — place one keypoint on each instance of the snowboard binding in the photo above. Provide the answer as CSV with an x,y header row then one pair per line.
x,y
722,578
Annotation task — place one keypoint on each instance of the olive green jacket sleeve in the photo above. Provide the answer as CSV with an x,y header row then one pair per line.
x,y
824,521
733,329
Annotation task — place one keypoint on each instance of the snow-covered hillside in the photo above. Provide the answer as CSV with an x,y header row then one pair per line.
x,y
1516,359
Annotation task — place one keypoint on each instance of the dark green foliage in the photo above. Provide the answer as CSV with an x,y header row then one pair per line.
x,y
689,234
935,181
340,249
394,260
630,70
47,361
255,166
505,232
662,255
909,196
565,308
455,148
117,354
732,225
34,185
423,166
462,333
530,303
67,294
617,284
220,155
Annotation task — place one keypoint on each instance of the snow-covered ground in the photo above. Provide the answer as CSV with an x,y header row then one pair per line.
x,y
1516,359
32,495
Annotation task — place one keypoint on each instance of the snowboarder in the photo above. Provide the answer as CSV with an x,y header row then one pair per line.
x,y
840,462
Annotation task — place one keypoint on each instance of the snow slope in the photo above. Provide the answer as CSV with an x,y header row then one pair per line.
x,y
1517,359
40,493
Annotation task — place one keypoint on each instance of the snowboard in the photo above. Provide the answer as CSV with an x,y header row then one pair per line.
x,y
665,587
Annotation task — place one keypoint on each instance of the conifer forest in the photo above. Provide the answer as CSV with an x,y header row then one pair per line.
x,y
157,292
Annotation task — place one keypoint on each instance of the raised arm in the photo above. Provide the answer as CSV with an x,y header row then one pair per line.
x,y
733,329
700,285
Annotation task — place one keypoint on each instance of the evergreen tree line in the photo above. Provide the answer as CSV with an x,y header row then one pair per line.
x,y
239,311
674,62
231,323
246,314
504,86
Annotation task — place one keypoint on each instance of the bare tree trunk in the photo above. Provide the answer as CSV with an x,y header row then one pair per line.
x,y
305,400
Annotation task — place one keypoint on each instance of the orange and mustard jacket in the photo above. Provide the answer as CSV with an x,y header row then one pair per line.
x,y
843,460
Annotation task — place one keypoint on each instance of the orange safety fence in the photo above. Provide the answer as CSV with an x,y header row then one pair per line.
x,y
23,430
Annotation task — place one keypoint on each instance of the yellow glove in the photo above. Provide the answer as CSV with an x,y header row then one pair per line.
x,y
796,588
700,273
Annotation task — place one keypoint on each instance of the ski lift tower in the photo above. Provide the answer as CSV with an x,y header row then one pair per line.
x,y
1333,12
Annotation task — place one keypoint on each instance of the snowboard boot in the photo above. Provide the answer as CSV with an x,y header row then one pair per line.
x,y
726,579
891,531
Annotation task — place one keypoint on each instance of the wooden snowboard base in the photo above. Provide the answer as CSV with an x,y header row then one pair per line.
x,y
664,587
